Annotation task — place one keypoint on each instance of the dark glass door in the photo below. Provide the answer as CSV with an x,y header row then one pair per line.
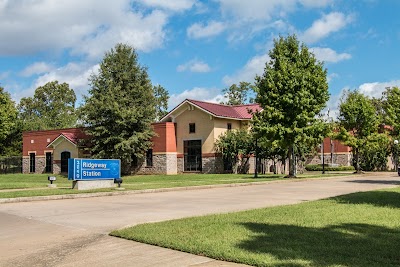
x,y
49,162
32,162
192,153
64,161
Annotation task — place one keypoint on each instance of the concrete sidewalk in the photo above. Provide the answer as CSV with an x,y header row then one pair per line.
x,y
73,232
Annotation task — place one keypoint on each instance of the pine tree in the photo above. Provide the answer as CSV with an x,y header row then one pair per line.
x,y
120,108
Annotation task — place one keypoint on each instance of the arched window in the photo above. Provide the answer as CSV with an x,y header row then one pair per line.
x,y
64,160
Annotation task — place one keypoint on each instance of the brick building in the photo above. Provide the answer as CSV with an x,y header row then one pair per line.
x,y
184,142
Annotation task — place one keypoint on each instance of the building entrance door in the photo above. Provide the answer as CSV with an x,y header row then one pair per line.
x,y
49,162
64,161
192,153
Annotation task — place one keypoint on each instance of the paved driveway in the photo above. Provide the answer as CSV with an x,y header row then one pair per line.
x,y
73,232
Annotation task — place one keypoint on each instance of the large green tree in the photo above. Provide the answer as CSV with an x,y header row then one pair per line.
x,y
120,108
161,96
391,106
8,122
51,107
292,92
358,120
390,103
239,94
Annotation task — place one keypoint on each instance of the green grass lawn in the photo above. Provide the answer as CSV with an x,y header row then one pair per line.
x,y
36,184
360,229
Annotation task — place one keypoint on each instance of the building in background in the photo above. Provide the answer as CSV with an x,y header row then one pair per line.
x,y
184,142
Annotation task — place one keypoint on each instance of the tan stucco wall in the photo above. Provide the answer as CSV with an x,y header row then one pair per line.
x,y
208,128
65,146
204,129
221,126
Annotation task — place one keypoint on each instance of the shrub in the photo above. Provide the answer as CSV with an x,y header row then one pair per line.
x,y
318,167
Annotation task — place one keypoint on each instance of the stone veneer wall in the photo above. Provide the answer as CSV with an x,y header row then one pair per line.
x,y
341,159
212,165
56,166
40,164
162,164
180,163
25,165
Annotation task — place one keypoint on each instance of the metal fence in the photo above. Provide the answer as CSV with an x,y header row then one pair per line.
x,y
11,165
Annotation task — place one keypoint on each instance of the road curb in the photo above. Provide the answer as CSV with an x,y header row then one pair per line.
x,y
158,190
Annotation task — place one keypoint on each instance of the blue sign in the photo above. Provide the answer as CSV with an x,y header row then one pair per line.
x,y
93,169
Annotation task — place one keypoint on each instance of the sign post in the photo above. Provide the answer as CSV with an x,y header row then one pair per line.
x,y
93,173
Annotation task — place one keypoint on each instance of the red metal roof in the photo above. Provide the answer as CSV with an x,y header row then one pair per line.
x,y
220,110
71,137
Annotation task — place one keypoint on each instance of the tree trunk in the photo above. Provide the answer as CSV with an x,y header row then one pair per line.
x,y
357,161
292,163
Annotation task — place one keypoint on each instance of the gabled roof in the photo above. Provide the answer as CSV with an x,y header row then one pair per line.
x,y
71,137
238,112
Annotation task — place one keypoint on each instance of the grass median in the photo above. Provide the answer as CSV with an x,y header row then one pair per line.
x,y
27,185
360,229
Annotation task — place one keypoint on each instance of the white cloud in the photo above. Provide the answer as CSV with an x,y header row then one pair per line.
x,y
252,10
36,68
255,9
75,74
198,30
85,27
253,67
4,75
329,55
331,112
194,66
375,89
326,25
204,94
332,76
176,5
315,3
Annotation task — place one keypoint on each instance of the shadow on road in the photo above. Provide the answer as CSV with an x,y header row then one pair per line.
x,y
375,182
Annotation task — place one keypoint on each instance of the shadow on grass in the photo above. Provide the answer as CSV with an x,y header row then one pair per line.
x,y
355,245
376,198
375,182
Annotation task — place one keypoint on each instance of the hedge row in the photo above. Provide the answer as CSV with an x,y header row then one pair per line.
x,y
318,167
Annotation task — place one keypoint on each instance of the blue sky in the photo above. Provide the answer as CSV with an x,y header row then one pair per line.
x,y
196,48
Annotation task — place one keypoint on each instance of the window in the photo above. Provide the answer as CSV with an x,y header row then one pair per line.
x,y
149,158
32,162
229,126
192,127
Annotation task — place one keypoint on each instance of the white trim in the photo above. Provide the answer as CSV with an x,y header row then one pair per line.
x,y
55,145
191,107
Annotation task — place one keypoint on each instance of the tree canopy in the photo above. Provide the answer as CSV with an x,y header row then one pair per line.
x,y
239,94
292,92
161,97
8,123
357,120
391,107
120,108
51,107
235,147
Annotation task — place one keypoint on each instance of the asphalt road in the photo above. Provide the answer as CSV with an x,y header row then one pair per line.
x,y
73,232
